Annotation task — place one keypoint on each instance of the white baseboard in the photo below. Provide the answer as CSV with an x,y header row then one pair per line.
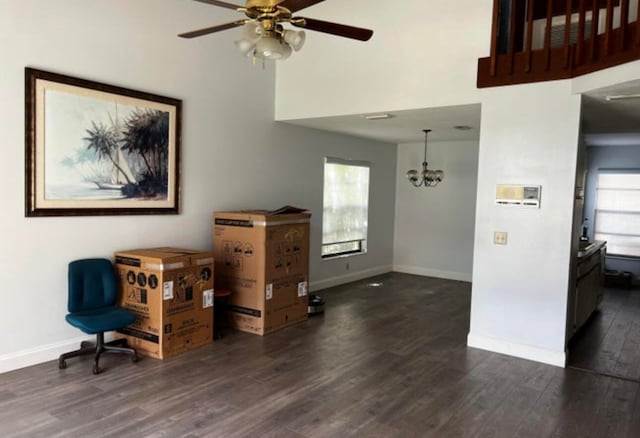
x,y
348,278
44,353
425,272
550,357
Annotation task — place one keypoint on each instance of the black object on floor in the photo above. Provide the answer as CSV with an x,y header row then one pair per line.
x,y
316,305
618,279
220,318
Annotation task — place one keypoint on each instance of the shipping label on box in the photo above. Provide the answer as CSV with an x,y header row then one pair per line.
x,y
207,299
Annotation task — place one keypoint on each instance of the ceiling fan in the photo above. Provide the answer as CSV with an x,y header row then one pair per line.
x,y
265,36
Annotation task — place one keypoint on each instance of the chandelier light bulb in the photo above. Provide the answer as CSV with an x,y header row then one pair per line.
x,y
412,175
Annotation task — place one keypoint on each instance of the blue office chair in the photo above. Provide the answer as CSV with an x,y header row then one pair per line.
x,y
92,309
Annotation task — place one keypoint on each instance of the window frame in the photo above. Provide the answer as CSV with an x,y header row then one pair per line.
x,y
361,244
596,233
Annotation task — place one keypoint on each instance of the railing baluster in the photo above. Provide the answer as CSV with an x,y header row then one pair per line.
x,y
547,35
582,21
608,32
567,33
512,35
638,27
494,38
595,18
624,21
529,42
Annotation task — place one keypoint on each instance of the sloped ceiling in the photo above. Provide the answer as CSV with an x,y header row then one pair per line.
x,y
612,122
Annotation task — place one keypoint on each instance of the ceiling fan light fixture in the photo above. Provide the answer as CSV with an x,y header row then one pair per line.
x,y
246,47
253,30
286,50
263,27
269,47
294,38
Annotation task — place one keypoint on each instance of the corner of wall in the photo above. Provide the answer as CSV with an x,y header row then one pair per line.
x,y
549,357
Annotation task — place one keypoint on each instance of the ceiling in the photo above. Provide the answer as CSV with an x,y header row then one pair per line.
x,y
605,123
405,126
615,122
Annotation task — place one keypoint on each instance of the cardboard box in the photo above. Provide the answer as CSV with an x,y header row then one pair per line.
x,y
262,257
170,290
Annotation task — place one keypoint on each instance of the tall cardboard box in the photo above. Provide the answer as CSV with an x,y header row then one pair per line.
x,y
170,290
262,257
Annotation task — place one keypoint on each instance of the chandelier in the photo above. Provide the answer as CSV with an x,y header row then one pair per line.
x,y
428,178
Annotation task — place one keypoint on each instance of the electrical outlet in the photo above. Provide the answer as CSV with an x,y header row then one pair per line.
x,y
500,237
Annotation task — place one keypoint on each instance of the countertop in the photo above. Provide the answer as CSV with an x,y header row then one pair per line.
x,y
591,248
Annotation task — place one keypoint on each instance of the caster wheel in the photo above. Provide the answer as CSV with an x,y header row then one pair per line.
x,y
134,358
62,364
96,369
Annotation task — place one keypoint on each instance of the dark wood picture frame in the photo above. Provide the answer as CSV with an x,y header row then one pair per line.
x,y
93,149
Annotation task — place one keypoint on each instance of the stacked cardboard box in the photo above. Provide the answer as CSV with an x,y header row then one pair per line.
x,y
262,257
170,290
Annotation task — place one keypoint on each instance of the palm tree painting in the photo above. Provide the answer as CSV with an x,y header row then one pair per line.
x,y
111,150
98,149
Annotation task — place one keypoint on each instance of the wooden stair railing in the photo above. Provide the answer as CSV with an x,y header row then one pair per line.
x,y
593,46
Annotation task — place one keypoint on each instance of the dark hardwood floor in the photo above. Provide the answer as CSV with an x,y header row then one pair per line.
x,y
609,343
387,361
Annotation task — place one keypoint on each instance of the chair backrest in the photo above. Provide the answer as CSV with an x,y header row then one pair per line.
x,y
92,285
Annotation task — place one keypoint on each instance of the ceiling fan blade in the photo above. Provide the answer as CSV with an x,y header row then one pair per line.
x,y
221,4
298,5
212,29
356,33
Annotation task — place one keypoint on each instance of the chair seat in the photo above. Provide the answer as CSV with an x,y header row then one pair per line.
x,y
101,320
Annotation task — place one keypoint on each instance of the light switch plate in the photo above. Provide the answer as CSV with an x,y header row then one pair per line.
x,y
500,237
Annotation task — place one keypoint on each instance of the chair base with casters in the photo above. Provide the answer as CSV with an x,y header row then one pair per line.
x,y
96,349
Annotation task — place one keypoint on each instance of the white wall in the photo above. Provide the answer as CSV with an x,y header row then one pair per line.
x,y
434,226
234,155
424,53
529,135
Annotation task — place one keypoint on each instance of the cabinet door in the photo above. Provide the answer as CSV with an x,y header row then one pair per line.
x,y
587,299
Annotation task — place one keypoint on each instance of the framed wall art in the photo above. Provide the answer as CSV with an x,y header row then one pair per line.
x,y
97,149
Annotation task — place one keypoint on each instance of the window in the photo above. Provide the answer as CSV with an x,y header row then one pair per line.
x,y
618,211
346,207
